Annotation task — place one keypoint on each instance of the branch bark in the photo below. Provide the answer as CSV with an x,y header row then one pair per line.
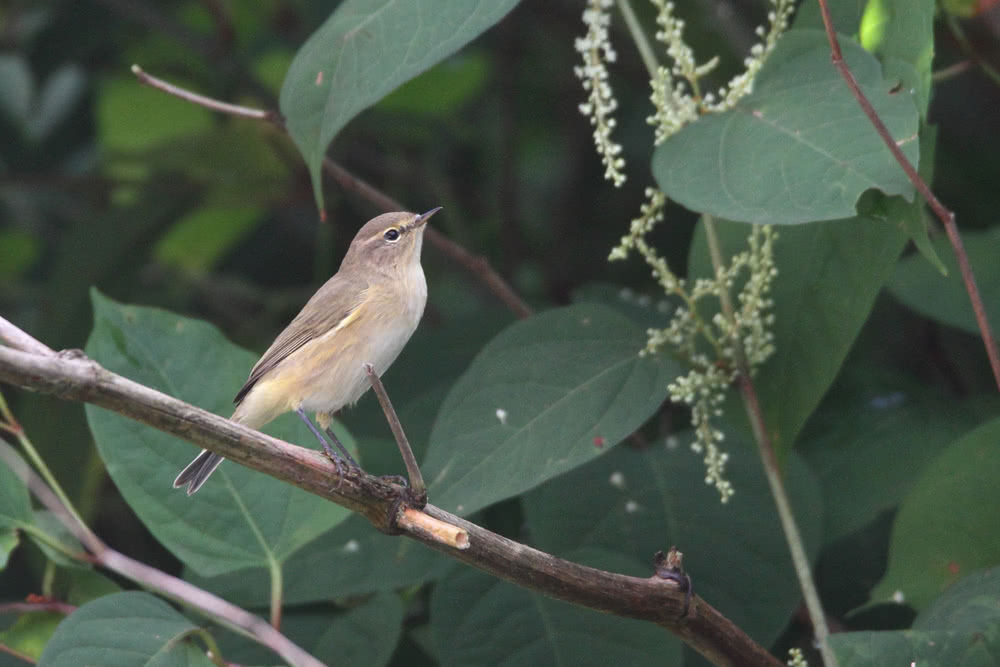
x,y
70,375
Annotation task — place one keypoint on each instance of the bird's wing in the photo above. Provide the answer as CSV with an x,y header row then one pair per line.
x,y
333,303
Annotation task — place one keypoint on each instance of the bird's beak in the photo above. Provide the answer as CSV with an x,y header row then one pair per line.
x,y
422,219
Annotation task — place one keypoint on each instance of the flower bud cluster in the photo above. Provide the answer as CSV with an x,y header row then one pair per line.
x,y
596,49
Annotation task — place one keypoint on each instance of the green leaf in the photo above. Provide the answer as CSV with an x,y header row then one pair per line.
x,y
638,502
799,148
9,540
441,90
31,632
351,559
203,237
828,277
902,30
50,525
15,503
364,635
124,630
846,15
944,299
546,395
970,605
364,50
85,585
913,216
946,526
478,619
866,426
961,627
240,518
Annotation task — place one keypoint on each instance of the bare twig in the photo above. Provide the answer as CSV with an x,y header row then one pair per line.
x,y
201,100
477,265
21,340
417,486
75,377
177,589
946,217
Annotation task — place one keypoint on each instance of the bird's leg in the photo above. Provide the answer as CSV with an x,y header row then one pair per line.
x,y
337,461
323,419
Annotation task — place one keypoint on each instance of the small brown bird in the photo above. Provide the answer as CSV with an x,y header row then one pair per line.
x,y
365,313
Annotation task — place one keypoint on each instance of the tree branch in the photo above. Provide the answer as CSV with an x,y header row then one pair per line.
x,y
946,217
476,265
150,578
72,376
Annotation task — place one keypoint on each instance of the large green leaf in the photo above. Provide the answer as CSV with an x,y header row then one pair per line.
x,y
846,15
638,502
240,518
15,504
364,50
481,620
365,635
901,34
351,559
947,525
9,539
828,277
29,635
870,441
124,630
546,395
797,149
962,627
944,299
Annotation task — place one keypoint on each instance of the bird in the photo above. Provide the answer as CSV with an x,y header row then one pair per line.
x,y
365,313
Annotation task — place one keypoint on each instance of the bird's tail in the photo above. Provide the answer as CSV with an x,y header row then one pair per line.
x,y
196,472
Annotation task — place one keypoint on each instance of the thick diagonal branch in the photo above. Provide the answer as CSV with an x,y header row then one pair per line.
x,y
72,376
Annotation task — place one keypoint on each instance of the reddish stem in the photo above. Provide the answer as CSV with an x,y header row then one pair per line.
x,y
946,217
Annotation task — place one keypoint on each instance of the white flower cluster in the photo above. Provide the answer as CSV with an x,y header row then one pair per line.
x,y
742,84
704,390
796,658
673,105
676,96
650,213
596,49
746,332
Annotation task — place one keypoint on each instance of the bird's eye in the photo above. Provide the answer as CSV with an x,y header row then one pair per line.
x,y
391,234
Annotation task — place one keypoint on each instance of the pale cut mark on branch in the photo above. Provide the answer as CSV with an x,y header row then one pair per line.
x,y
415,521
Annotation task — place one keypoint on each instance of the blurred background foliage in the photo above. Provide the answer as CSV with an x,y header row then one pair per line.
x,y
107,183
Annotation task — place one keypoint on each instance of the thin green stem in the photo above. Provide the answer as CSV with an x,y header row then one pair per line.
x,y
639,37
213,648
803,569
38,462
48,578
277,595
51,541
